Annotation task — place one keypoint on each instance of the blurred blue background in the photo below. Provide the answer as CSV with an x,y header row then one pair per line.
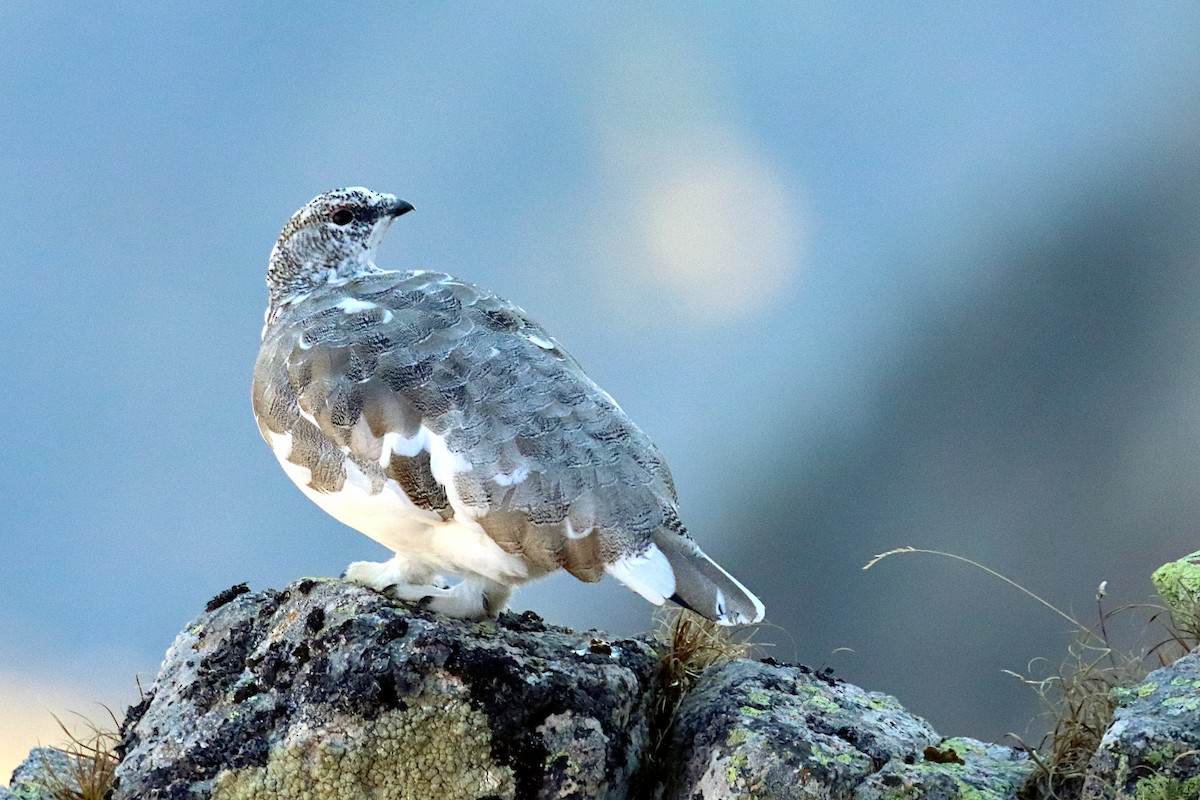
x,y
870,275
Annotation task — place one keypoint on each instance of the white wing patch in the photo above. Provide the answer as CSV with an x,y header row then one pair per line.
x,y
407,446
307,415
281,446
518,474
356,479
443,463
648,573
352,305
572,533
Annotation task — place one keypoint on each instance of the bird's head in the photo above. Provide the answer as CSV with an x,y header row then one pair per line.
x,y
330,240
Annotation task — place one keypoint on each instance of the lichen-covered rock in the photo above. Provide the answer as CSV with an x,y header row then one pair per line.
x,y
955,769
755,730
1178,584
43,767
1154,740
328,690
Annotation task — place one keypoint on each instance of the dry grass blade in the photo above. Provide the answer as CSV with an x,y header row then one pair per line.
x,y
92,764
905,550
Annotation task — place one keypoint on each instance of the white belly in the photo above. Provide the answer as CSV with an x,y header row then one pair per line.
x,y
457,546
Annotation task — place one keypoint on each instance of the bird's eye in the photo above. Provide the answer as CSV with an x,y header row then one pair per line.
x,y
343,216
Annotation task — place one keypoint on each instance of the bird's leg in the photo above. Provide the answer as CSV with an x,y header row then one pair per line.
x,y
398,572
475,597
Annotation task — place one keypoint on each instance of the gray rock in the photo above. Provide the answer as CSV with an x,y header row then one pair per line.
x,y
330,690
956,769
43,766
753,730
1152,748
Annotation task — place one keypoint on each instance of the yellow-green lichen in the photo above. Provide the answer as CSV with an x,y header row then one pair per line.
x,y
1161,787
817,699
969,792
1124,696
1159,756
28,792
1178,584
964,747
965,791
436,747
1182,703
905,791
980,782
737,736
737,762
883,702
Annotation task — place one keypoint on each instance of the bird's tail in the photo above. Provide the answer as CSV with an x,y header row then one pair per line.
x,y
674,568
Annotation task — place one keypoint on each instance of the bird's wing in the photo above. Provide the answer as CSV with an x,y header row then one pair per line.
x,y
474,410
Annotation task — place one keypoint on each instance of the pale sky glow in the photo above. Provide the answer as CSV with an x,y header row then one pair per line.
x,y
703,215
720,231
29,705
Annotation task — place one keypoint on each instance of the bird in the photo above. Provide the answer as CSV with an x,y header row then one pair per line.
x,y
444,423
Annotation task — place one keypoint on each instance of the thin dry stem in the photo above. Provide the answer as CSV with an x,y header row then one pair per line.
x,y
988,570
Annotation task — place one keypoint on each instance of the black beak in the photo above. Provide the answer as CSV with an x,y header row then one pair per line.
x,y
400,207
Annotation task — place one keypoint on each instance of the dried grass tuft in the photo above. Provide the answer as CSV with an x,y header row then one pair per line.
x,y
1081,695
93,761
689,644
692,644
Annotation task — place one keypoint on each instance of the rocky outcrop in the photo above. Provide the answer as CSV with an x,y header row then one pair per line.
x,y
1152,748
330,691
43,768
753,729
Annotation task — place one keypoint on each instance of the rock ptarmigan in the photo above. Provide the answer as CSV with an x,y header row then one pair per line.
x,y
442,422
